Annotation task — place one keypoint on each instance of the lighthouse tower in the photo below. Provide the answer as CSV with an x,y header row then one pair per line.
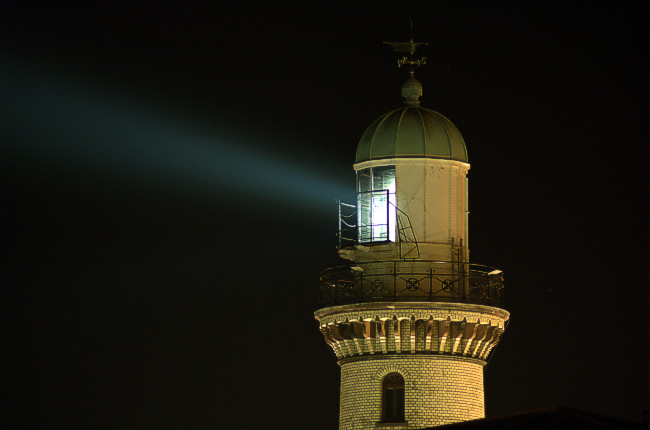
x,y
410,320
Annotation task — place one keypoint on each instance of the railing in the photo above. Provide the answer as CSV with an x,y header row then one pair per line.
x,y
414,280
347,234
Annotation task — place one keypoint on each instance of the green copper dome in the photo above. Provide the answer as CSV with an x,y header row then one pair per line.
x,y
411,131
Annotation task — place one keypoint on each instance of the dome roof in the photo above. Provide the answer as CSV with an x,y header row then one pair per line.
x,y
414,132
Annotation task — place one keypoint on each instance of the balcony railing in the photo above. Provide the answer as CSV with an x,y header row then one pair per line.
x,y
411,280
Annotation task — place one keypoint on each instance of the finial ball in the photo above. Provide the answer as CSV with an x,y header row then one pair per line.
x,y
412,91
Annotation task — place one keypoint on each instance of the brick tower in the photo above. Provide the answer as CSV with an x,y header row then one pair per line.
x,y
410,320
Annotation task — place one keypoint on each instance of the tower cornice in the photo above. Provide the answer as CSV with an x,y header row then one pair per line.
x,y
366,311
460,330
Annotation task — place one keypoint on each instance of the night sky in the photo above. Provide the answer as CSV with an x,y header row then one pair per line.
x,y
169,176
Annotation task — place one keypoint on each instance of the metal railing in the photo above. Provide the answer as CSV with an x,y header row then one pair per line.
x,y
416,280
347,234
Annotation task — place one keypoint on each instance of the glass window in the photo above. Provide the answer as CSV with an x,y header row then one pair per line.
x,y
383,178
376,204
364,180
393,398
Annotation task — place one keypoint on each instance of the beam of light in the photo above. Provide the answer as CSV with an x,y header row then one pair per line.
x,y
79,127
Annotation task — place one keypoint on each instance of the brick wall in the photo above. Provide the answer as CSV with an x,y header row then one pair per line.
x,y
438,390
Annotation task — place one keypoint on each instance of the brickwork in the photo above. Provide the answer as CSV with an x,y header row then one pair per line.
x,y
434,328
438,390
439,348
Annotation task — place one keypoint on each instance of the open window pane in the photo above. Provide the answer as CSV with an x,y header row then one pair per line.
x,y
364,213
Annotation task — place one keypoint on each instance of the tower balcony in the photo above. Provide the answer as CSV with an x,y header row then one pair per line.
x,y
411,281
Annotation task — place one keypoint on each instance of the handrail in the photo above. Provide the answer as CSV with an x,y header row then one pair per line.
x,y
368,263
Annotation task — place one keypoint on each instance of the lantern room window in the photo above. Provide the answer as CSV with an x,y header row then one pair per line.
x,y
376,204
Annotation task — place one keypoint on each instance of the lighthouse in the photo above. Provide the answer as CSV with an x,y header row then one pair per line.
x,y
411,321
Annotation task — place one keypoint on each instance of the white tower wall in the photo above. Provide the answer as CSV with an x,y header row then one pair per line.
x,y
433,194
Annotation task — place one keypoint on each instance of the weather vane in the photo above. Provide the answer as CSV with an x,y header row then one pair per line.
x,y
408,47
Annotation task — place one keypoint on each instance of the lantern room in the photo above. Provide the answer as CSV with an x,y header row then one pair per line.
x,y
411,166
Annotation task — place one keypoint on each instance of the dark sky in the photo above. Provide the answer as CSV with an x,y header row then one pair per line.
x,y
170,173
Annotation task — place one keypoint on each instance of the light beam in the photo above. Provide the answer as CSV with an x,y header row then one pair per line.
x,y
81,127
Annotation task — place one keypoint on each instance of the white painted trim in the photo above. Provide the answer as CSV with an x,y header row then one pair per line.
x,y
403,160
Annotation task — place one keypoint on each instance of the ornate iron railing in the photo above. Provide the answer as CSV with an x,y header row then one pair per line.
x,y
411,280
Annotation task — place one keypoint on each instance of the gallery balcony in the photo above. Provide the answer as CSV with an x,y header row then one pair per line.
x,y
411,281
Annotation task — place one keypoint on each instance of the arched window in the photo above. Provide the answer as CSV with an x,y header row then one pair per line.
x,y
393,398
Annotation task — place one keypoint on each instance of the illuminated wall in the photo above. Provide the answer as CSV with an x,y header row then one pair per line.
x,y
433,194
438,390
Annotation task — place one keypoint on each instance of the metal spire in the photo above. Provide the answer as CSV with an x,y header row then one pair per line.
x,y
411,89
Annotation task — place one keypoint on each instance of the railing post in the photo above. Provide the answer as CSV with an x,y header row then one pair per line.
x,y
430,284
487,287
463,274
394,281
387,216
361,287
464,268
336,292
